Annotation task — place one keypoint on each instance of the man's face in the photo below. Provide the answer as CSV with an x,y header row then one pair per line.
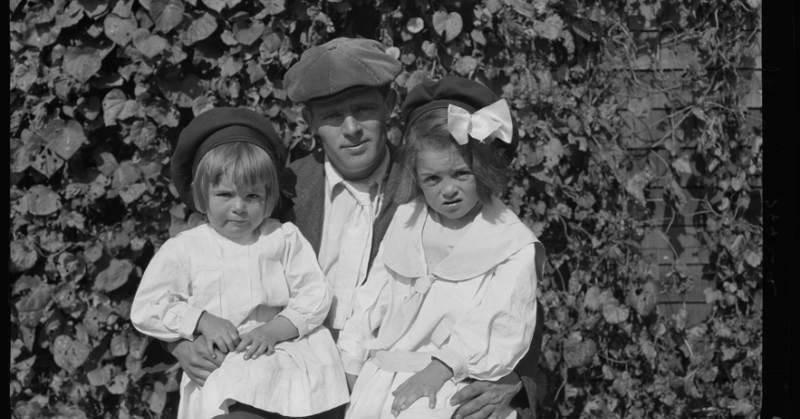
x,y
351,128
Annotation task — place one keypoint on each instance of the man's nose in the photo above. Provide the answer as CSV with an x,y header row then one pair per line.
x,y
351,127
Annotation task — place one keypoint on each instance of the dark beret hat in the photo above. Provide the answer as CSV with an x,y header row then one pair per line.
x,y
216,127
429,94
468,94
337,65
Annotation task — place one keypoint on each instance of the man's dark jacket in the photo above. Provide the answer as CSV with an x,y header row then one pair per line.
x,y
304,186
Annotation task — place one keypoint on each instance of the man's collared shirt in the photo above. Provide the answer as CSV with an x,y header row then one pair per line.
x,y
350,212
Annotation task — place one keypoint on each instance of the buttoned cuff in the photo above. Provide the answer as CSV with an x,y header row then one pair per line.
x,y
188,322
454,360
297,320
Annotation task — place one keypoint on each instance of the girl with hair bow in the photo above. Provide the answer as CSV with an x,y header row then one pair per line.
x,y
451,296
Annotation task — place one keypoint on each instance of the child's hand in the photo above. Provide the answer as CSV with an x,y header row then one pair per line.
x,y
257,342
218,332
425,383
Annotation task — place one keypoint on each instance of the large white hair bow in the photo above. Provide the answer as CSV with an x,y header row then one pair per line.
x,y
484,124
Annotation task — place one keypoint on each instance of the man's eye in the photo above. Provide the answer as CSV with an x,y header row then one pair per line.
x,y
463,174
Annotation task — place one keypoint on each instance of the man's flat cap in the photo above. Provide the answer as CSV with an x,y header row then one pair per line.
x,y
213,128
339,64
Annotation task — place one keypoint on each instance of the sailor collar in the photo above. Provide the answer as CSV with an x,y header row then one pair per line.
x,y
494,235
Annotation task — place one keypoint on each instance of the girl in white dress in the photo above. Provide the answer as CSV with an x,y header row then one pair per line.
x,y
246,282
452,292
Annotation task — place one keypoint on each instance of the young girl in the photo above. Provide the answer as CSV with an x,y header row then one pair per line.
x,y
247,283
452,292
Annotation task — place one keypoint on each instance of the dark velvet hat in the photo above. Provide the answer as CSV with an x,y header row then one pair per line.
x,y
216,127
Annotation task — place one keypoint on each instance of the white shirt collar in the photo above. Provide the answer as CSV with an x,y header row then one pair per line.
x,y
334,178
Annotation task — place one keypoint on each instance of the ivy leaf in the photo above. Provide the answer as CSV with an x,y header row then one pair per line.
x,y
465,65
429,48
142,134
578,352
69,354
119,345
22,256
99,376
199,29
643,299
615,313
82,62
148,44
158,398
42,200
119,384
273,7
520,7
166,14
478,37
636,184
114,276
553,151
415,25
447,25
247,31
741,407
23,77
130,193
550,29
393,52
94,8
30,308
229,66
119,29
255,71
215,5
64,139
753,258
639,106
117,106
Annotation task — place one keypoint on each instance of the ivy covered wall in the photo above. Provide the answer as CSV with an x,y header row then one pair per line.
x,y
639,167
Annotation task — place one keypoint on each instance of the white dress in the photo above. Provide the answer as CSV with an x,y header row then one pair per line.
x,y
475,310
198,270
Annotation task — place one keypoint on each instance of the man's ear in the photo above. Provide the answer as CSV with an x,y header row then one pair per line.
x,y
308,117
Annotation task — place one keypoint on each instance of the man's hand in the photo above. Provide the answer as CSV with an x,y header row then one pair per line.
x,y
195,360
486,399
425,383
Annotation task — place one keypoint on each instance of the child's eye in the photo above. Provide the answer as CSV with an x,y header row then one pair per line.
x,y
430,180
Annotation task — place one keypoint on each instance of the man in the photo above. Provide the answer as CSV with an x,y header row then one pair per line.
x,y
343,196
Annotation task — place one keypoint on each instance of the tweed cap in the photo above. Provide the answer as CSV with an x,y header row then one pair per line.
x,y
216,127
339,64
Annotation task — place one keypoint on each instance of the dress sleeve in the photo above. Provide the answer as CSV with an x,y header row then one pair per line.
x,y
160,307
488,341
370,303
309,293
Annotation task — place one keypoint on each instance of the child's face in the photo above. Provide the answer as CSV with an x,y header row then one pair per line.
x,y
447,182
236,213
